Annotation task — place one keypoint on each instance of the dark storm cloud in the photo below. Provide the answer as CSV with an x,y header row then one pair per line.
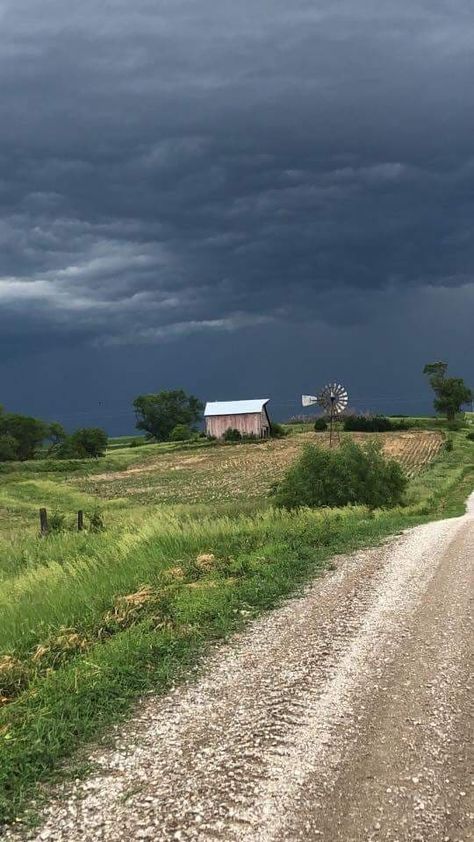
x,y
178,167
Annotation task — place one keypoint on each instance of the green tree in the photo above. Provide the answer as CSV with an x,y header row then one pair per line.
x,y
29,433
451,393
160,413
56,437
8,448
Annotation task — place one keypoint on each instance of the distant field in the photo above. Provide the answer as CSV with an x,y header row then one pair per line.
x,y
239,471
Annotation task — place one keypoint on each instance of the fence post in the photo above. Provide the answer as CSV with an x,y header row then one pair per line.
x,y
43,521
80,520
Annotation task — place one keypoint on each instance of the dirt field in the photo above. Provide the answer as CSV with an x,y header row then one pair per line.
x,y
242,471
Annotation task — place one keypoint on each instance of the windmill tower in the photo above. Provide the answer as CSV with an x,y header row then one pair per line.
x,y
333,399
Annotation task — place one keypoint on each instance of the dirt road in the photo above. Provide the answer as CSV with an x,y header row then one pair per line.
x,y
347,716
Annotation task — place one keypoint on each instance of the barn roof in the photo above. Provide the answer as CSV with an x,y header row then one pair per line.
x,y
234,407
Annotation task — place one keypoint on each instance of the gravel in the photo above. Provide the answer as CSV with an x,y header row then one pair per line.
x,y
345,715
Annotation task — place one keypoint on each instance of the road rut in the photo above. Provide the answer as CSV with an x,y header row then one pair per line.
x,y
345,715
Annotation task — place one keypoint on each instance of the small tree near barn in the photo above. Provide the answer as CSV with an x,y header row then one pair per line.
x,y
451,393
160,413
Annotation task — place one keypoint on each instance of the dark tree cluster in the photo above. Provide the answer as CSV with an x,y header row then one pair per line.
x,y
23,437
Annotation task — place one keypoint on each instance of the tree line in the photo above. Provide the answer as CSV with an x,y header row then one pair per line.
x,y
169,415
23,437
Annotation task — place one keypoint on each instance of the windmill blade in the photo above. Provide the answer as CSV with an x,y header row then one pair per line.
x,y
308,400
333,398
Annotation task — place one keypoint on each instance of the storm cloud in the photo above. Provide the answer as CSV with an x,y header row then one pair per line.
x,y
178,175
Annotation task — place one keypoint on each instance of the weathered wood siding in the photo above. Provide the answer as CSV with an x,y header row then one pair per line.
x,y
251,423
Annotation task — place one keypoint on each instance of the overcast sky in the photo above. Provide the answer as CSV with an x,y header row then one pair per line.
x,y
244,199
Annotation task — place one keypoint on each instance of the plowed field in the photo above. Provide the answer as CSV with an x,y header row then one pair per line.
x,y
242,471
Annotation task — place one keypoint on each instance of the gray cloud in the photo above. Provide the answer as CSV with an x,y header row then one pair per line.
x,y
174,168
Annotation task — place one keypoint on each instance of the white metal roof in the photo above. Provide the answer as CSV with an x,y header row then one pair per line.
x,y
234,407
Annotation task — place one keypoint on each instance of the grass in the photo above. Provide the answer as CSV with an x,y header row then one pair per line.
x,y
91,621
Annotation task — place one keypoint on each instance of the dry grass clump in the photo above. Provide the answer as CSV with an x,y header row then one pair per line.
x,y
129,608
13,678
60,647
205,562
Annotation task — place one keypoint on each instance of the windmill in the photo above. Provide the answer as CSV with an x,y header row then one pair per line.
x,y
333,399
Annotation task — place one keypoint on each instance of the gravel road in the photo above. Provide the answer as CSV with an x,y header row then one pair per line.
x,y
346,715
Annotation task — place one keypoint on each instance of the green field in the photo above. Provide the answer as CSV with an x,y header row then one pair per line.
x,y
191,549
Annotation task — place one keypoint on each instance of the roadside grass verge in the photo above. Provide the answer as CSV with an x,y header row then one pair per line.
x,y
91,622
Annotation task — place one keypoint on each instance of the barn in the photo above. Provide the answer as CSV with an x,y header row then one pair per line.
x,y
248,417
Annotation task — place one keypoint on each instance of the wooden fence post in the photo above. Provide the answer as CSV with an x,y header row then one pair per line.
x,y
43,521
80,520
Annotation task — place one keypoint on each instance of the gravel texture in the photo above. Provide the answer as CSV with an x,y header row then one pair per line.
x,y
346,715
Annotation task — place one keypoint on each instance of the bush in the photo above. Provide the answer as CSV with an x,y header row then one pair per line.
x,y
320,425
56,523
86,443
231,434
349,475
277,431
181,433
96,521
470,436
457,423
367,424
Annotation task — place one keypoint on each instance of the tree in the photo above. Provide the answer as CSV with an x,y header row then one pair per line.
x,y
29,433
8,448
451,392
160,413
56,436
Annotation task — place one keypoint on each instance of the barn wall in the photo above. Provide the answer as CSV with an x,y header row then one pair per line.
x,y
247,424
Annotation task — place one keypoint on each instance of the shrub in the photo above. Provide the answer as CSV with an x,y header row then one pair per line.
x,y
470,435
86,443
181,433
457,423
349,475
320,425
56,522
231,434
96,521
277,431
367,424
